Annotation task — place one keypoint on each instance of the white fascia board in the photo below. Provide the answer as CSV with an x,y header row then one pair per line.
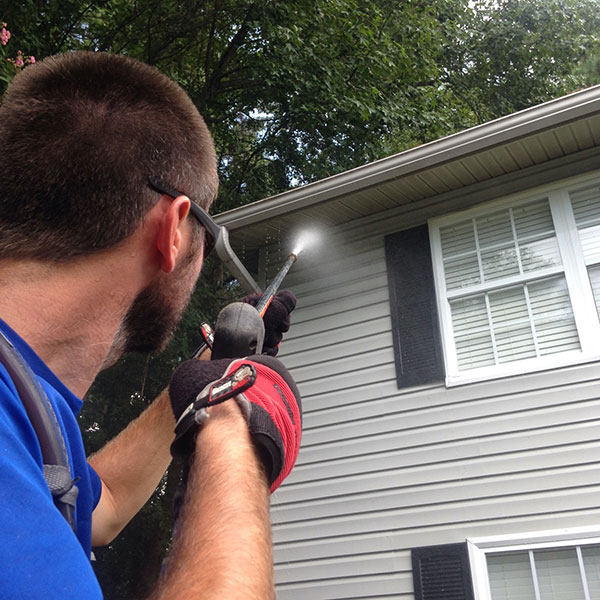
x,y
476,139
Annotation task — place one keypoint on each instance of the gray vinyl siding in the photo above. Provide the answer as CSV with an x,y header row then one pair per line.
x,y
383,470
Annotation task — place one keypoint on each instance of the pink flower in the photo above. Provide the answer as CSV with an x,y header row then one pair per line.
x,y
32,60
19,61
4,35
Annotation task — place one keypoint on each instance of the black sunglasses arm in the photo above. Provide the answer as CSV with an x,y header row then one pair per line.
x,y
218,233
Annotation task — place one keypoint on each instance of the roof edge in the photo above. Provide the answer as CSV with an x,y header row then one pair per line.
x,y
458,145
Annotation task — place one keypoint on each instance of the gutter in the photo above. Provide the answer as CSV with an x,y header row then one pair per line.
x,y
448,149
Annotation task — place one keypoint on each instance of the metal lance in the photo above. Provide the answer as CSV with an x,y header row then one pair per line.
x,y
271,290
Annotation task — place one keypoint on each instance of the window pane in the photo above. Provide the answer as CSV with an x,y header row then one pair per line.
x,y
533,221
540,254
501,262
458,239
594,274
586,208
475,351
586,204
512,329
497,246
462,272
591,561
590,244
510,576
461,265
538,246
494,230
553,316
558,574
472,332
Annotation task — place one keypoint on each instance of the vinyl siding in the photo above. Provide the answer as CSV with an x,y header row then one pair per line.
x,y
383,470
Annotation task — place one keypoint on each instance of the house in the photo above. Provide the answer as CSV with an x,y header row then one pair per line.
x,y
446,344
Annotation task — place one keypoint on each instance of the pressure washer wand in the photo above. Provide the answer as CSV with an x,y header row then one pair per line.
x,y
240,330
271,290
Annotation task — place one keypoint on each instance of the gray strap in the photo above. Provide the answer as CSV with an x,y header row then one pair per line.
x,y
46,427
61,485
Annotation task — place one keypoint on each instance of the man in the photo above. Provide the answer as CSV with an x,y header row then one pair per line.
x,y
96,260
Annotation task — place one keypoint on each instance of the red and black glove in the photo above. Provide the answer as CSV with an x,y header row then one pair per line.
x,y
266,393
276,318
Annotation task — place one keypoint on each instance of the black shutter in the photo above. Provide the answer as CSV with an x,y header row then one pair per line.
x,y
442,572
417,344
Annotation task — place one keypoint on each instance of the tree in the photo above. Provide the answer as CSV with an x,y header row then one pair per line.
x,y
517,54
294,91
10,66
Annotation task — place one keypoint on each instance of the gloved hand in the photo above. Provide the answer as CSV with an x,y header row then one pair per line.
x,y
266,393
276,318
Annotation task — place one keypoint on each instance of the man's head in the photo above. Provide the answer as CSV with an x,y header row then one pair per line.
x,y
79,136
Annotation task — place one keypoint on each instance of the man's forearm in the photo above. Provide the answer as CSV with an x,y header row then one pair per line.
x,y
131,466
222,546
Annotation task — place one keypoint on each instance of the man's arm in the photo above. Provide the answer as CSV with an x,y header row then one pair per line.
x,y
222,545
130,467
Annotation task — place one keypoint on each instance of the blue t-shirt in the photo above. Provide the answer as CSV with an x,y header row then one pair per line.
x,y
40,556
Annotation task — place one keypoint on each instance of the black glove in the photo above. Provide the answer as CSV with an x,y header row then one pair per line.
x,y
266,393
276,319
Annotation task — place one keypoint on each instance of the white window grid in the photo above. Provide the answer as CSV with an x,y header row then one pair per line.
x,y
574,267
480,548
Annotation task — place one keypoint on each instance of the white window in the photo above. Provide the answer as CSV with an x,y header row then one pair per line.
x,y
518,282
550,566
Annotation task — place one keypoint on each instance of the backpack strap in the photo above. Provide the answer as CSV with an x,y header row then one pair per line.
x,y
55,457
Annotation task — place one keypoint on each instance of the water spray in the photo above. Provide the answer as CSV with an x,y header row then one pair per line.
x,y
306,239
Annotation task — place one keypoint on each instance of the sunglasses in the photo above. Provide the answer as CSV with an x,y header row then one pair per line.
x,y
210,227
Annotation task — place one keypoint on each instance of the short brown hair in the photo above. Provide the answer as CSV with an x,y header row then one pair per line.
x,y
79,135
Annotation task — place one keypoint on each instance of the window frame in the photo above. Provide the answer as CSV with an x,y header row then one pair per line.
x,y
479,548
585,314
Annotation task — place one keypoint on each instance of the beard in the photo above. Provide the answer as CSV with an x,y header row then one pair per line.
x,y
155,313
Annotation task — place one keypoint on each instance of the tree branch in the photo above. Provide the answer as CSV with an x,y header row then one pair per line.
x,y
75,21
227,57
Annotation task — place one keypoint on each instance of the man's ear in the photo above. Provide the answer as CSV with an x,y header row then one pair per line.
x,y
169,237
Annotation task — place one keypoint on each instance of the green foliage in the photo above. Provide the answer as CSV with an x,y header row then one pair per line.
x,y
292,91
517,54
295,91
11,61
